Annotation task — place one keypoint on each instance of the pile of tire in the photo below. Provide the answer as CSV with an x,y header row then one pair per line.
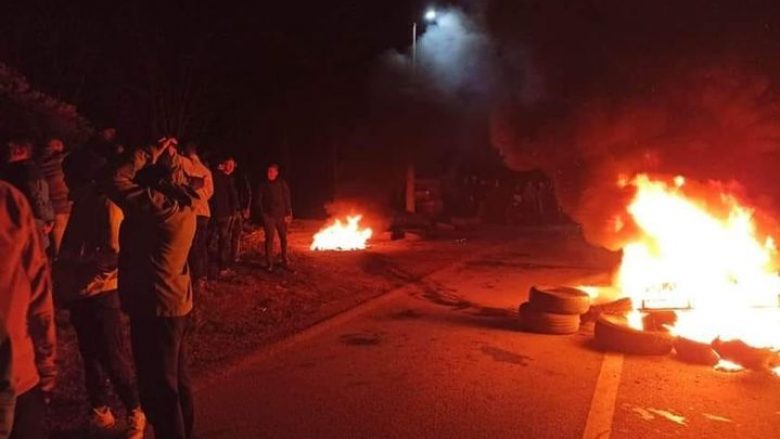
x,y
553,310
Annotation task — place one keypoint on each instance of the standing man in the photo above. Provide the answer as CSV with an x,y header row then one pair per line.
x,y
86,275
200,176
27,329
244,190
50,163
155,287
224,207
22,172
273,201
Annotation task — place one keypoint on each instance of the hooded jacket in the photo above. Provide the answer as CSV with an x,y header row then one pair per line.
x,y
155,236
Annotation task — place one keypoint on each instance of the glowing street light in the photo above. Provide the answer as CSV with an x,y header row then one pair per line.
x,y
430,17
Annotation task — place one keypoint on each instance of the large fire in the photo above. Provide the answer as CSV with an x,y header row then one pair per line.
x,y
708,263
342,236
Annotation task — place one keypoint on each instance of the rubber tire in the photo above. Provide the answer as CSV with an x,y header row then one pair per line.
x,y
547,323
743,354
694,352
612,333
559,300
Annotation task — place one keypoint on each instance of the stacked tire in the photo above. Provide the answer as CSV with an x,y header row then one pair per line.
x,y
554,310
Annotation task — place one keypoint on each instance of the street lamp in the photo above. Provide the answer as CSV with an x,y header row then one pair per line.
x,y
430,17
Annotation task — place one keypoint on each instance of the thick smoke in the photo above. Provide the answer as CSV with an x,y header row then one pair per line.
x,y
632,89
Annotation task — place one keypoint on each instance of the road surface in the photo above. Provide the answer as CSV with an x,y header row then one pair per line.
x,y
442,358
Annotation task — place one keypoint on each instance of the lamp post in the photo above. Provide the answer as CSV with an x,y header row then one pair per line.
x,y
430,17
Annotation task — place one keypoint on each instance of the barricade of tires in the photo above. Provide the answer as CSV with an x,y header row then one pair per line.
x,y
554,310
561,310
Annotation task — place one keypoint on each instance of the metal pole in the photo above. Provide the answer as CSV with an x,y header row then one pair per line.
x,y
409,194
414,45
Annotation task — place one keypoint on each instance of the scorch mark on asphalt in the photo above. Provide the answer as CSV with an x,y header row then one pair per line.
x,y
602,407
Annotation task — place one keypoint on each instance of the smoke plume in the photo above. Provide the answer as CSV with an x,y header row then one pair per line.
x,y
635,88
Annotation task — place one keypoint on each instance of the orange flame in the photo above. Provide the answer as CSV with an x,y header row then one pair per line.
x,y
714,266
342,236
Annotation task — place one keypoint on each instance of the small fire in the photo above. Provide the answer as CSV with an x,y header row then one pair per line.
x,y
712,266
342,236
728,366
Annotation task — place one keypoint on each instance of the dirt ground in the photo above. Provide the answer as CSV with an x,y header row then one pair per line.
x,y
252,308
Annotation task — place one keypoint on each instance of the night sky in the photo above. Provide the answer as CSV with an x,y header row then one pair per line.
x,y
310,84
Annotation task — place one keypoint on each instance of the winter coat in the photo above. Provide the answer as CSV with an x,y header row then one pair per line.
x,y
273,199
51,167
28,178
199,176
225,202
155,237
87,265
26,310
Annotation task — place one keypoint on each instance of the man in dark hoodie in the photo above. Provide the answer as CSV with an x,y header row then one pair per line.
x,y
86,277
155,287
22,172
273,202
224,208
50,162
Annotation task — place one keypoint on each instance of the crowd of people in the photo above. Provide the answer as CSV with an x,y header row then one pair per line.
x,y
100,231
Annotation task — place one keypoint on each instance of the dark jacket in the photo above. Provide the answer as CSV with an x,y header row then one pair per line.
x,y
225,202
28,178
26,310
273,199
51,167
87,265
155,237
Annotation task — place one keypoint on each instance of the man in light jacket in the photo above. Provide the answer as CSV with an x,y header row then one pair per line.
x,y
27,336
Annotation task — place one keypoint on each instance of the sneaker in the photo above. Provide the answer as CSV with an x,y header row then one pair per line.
x,y
101,418
136,424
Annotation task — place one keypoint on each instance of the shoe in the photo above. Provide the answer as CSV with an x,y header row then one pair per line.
x,y
269,268
136,424
101,418
226,273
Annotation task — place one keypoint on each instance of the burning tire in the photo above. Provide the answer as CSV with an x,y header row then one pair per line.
x,y
559,300
695,352
743,354
540,322
612,333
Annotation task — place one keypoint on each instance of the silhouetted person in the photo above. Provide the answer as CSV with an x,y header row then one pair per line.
x,y
86,276
27,329
244,191
155,287
224,208
22,172
50,162
273,201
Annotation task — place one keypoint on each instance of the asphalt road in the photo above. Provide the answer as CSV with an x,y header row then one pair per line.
x,y
443,358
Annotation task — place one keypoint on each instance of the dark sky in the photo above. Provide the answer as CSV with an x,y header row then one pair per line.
x,y
108,56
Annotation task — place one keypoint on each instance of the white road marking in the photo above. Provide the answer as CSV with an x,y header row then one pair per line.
x,y
602,407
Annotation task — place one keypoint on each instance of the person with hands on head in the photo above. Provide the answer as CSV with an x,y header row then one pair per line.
x,y
155,287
